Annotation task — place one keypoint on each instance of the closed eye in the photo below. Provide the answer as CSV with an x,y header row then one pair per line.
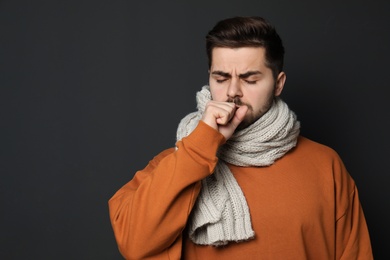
x,y
220,76
251,81
251,77
220,80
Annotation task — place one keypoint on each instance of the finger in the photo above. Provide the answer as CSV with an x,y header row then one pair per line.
x,y
239,116
226,115
228,129
218,113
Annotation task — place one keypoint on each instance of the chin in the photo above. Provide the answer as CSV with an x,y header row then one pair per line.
x,y
248,121
244,124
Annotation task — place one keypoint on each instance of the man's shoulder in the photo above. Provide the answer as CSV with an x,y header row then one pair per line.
x,y
315,148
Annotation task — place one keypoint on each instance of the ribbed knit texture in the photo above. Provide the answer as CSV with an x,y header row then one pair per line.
x,y
221,213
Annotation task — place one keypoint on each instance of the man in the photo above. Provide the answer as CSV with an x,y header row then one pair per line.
x,y
241,182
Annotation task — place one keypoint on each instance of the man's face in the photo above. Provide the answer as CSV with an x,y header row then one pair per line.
x,y
241,76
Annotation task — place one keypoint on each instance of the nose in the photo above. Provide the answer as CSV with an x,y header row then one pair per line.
x,y
234,89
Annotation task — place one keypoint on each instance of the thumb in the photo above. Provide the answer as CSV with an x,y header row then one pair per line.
x,y
239,116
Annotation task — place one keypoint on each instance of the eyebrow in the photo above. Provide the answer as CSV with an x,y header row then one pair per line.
x,y
242,76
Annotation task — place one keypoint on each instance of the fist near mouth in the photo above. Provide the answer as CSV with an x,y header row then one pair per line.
x,y
224,116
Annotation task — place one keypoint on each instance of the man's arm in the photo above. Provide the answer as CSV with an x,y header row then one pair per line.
x,y
352,235
149,213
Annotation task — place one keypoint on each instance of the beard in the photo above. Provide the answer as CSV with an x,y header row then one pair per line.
x,y
251,115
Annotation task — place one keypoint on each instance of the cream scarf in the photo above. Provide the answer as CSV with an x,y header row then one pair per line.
x,y
221,213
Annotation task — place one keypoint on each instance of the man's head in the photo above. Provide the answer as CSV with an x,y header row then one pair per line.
x,y
239,32
245,65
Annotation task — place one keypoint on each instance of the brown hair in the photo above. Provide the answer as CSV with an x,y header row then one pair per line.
x,y
248,32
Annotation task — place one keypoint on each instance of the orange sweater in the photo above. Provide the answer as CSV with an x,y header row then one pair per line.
x,y
304,206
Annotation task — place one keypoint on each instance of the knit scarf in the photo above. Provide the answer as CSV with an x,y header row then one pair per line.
x,y
221,213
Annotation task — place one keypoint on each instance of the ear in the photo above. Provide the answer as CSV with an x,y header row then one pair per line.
x,y
280,80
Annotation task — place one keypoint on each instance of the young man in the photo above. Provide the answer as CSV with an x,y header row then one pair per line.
x,y
241,182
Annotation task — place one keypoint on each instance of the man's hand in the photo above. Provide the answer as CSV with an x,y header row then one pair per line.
x,y
224,116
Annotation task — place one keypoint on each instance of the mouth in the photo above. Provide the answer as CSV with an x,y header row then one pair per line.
x,y
236,101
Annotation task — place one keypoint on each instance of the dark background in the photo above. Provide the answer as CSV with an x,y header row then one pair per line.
x,y
92,90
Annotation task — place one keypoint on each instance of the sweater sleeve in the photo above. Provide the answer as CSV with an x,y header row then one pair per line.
x,y
149,213
352,235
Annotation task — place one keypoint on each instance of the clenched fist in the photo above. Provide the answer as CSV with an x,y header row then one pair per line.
x,y
224,116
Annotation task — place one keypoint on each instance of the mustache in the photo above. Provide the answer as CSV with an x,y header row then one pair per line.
x,y
238,102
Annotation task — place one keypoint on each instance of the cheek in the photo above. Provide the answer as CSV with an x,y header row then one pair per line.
x,y
257,100
218,94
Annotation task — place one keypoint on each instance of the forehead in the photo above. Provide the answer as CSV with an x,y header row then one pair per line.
x,y
244,58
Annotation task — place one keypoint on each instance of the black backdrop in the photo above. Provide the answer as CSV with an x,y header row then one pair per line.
x,y
92,90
